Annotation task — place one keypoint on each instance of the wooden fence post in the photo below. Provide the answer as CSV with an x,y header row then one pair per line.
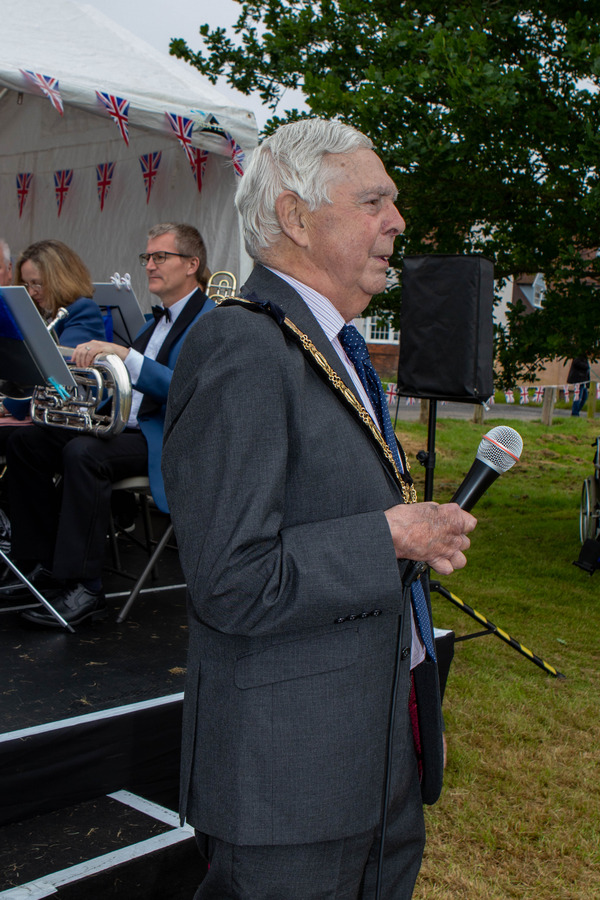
x,y
548,405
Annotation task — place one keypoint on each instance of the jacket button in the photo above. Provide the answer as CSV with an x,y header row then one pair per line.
x,y
405,652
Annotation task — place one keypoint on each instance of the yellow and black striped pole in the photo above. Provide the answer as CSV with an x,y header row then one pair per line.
x,y
493,629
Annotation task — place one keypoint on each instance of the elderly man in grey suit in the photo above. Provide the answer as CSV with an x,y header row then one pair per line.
x,y
312,720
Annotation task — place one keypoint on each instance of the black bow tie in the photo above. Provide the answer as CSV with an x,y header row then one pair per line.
x,y
159,311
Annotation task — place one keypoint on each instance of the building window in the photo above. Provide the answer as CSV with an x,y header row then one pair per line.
x,y
380,332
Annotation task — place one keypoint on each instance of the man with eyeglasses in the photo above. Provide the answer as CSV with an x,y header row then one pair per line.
x,y
62,541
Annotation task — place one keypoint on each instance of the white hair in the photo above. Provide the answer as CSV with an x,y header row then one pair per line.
x,y
5,250
293,158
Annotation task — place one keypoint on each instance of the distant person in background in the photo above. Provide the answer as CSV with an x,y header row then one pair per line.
x,y
5,264
579,373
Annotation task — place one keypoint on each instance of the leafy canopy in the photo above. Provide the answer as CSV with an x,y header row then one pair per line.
x,y
485,113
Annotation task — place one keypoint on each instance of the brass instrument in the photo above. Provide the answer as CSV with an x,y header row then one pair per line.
x,y
221,286
99,405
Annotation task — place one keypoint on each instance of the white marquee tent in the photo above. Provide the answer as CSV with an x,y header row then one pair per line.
x,y
89,55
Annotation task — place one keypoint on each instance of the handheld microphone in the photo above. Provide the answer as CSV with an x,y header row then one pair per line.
x,y
498,451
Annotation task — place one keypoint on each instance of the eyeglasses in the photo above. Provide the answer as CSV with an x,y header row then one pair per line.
x,y
159,257
33,285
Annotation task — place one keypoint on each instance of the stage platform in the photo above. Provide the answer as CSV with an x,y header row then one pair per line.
x,y
89,747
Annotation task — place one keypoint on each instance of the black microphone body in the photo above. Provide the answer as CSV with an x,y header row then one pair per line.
x,y
476,482
498,451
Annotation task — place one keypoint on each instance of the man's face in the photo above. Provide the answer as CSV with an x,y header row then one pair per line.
x,y
351,239
5,271
174,278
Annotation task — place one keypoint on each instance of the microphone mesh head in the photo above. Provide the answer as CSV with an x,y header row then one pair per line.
x,y
500,448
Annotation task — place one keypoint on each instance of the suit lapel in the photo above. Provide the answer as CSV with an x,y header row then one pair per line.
x,y
183,320
269,287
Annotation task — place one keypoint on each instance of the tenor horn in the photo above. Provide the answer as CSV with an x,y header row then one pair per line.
x,y
99,404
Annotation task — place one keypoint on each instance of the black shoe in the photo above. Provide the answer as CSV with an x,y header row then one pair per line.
x,y
74,604
15,590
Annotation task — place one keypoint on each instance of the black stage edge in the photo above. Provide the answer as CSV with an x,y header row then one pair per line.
x,y
88,713
60,764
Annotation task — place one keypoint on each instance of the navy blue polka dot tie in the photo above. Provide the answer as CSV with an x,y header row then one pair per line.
x,y
356,350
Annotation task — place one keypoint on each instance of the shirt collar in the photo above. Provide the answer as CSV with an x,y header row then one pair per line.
x,y
328,317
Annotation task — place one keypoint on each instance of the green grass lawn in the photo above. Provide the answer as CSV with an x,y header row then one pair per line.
x,y
520,813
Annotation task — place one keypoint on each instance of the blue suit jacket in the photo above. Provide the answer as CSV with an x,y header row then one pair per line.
x,y
154,382
84,323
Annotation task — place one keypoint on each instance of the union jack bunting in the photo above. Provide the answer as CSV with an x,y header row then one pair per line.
x,y
24,180
538,397
566,390
183,128
198,159
118,110
48,86
576,391
391,393
237,154
104,177
150,163
509,396
62,183
524,395
410,401
598,391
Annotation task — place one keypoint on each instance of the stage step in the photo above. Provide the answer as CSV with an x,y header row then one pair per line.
x,y
119,846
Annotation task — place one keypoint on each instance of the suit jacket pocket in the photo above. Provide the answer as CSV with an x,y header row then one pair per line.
x,y
298,659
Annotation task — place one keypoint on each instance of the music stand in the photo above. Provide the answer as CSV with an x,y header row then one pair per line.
x,y
29,356
122,305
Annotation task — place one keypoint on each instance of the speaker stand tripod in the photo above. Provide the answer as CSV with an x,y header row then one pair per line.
x,y
427,459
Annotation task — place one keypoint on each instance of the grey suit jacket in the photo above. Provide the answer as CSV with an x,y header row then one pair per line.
x,y
296,603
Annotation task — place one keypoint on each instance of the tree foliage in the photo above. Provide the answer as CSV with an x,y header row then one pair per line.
x,y
486,114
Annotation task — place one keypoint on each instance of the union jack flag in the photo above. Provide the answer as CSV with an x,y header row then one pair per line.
x,y
576,391
524,395
62,183
183,128
118,110
410,401
566,390
237,154
538,397
104,177
150,163
198,159
391,393
48,86
509,396
24,180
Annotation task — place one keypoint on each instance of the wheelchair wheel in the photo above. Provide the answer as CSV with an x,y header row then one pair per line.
x,y
588,513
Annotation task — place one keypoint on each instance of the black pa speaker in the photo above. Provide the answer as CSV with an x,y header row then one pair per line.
x,y
446,328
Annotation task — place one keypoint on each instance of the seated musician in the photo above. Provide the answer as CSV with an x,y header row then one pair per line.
x,y
62,535
55,278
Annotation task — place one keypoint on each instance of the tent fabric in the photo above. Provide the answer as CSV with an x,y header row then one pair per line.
x,y
89,53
